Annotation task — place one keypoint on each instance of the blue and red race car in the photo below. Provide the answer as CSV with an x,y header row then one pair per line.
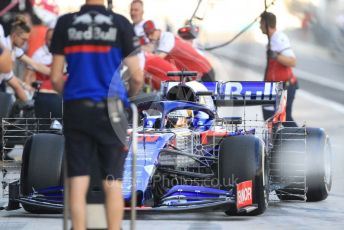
x,y
190,159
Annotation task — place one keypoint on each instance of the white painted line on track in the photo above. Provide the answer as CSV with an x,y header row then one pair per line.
x,y
318,79
321,101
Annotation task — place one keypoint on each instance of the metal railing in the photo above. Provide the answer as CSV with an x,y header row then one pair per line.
x,y
288,168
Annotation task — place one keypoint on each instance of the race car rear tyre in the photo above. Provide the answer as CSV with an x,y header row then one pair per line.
x,y
240,159
41,166
318,164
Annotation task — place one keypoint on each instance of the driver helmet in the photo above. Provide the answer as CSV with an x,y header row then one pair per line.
x,y
178,119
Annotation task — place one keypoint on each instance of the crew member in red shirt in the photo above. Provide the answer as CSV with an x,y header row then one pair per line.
x,y
280,62
178,52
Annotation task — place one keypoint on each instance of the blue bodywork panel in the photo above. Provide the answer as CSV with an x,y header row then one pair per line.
x,y
149,147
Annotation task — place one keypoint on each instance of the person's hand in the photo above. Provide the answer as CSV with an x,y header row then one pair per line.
x,y
29,104
272,54
27,87
24,105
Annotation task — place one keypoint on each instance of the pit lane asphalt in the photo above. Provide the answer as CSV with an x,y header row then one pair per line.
x,y
311,107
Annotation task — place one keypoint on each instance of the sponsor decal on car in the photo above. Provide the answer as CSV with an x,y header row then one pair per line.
x,y
249,90
147,138
244,194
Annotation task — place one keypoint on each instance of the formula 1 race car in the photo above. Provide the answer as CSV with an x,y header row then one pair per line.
x,y
190,159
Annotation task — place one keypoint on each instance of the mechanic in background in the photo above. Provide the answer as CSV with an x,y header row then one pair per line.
x,y
94,41
178,52
281,59
154,66
48,104
37,35
20,32
6,65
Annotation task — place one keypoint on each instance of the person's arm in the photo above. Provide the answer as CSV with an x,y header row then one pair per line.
x,y
29,76
282,50
148,47
36,66
166,44
136,80
286,61
161,54
56,76
5,60
14,83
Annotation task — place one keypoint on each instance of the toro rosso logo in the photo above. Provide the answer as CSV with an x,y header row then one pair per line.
x,y
244,194
249,90
95,28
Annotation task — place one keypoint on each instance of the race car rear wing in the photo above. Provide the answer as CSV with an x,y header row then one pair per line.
x,y
231,93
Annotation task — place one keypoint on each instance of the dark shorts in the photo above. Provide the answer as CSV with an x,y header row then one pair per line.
x,y
88,130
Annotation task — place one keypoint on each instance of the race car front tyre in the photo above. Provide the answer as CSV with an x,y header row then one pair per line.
x,y
41,166
241,158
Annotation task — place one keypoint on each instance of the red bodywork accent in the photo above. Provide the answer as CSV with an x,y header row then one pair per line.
x,y
211,133
148,138
281,115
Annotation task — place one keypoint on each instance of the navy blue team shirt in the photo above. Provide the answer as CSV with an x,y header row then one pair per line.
x,y
94,42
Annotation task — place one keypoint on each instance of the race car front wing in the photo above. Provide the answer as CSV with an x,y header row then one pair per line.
x,y
50,204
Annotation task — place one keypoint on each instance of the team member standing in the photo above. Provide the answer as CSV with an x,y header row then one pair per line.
x,y
94,41
136,15
281,59
178,52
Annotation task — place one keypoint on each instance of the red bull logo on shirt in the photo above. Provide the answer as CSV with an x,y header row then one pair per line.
x,y
94,30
